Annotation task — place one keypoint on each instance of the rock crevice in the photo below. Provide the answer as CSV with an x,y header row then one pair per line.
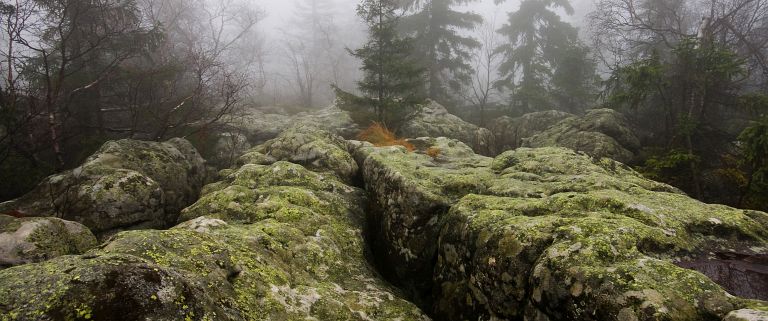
x,y
547,234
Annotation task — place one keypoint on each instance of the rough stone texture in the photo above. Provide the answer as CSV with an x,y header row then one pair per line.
x,y
599,133
228,148
509,132
548,234
433,120
268,242
747,315
259,126
36,239
313,147
126,184
256,126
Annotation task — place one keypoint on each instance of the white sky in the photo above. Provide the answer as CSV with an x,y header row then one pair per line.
x,y
279,12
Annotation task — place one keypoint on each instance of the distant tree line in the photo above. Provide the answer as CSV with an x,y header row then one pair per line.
x,y
77,73
691,77
534,62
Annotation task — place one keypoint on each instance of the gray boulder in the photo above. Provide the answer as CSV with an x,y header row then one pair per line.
x,y
548,234
255,126
259,126
433,120
36,239
126,184
510,132
599,133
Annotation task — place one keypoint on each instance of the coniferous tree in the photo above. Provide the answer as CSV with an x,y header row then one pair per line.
x,y
440,45
540,49
392,82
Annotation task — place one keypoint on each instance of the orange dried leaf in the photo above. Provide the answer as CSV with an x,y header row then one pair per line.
x,y
379,135
433,152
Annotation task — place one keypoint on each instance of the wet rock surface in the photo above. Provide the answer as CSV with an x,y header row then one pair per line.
x,y
599,133
311,146
126,184
268,242
433,120
747,315
547,234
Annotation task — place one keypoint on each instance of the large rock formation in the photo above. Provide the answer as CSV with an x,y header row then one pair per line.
x,y
510,131
548,234
311,146
532,234
268,242
433,120
599,133
36,239
254,127
126,184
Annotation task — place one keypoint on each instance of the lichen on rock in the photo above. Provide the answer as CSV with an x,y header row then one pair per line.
x,y
548,233
36,239
599,133
268,242
510,132
433,120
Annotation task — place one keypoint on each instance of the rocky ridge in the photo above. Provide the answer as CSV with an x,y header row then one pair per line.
x,y
599,133
532,234
268,242
126,184
547,234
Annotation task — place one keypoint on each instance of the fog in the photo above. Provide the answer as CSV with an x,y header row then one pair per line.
x,y
282,20
383,160
78,73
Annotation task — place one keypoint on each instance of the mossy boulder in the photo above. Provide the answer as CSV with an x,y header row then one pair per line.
x,y
747,315
268,242
260,125
126,184
600,133
509,132
228,147
313,147
36,239
433,120
105,286
548,234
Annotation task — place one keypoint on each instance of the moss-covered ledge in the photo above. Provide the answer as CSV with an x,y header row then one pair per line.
x,y
268,242
548,234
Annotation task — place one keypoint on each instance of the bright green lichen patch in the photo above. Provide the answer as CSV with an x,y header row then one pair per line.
x,y
313,147
126,184
109,287
553,234
269,242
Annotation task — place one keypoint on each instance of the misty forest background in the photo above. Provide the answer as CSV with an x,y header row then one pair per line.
x,y
690,75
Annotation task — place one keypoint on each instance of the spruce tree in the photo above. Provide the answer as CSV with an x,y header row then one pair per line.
x,y
440,45
539,51
392,82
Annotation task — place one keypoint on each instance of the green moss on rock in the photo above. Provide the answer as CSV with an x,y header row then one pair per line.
x,y
35,239
126,184
599,133
551,234
269,242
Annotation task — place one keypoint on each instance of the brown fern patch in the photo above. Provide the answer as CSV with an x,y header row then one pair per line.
x,y
379,135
